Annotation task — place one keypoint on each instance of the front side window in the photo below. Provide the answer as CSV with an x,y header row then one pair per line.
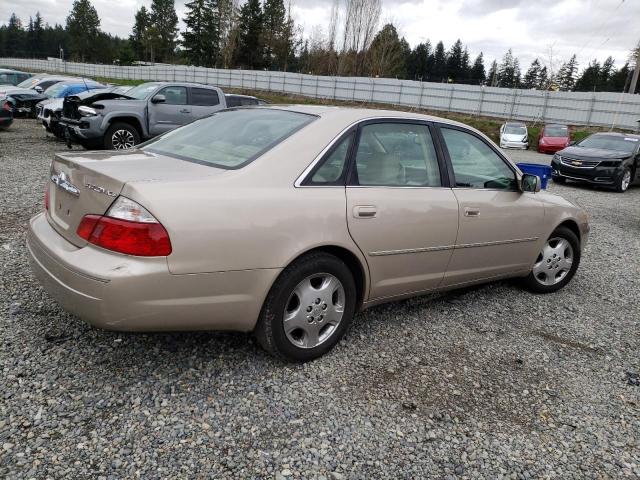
x,y
205,97
475,164
332,169
230,138
397,155
174,95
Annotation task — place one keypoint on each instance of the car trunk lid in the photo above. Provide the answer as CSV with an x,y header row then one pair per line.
x,y
82,184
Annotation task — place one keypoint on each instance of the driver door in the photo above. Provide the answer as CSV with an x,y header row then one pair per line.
x,y
499,226
173,112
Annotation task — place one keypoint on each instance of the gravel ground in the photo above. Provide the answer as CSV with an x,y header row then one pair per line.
x,y
490,382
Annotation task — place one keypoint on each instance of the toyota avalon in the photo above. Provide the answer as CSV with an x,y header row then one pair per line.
x,y
287,220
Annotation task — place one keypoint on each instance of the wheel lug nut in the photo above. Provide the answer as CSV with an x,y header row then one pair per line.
x,y
309,309
317,301
310,319
324,307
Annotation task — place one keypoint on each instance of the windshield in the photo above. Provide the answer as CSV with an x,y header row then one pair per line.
x,y
556,131
515,130
29,82
142,91
610,142
231,138
55,90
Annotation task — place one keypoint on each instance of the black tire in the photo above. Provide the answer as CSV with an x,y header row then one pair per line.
x,y
558,179
270,331
620,186
128,130
531,283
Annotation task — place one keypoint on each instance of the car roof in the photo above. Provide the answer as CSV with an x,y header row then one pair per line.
x,y
180,84
10,70
351,115
515,124
555,125
71,83
616,134
239,95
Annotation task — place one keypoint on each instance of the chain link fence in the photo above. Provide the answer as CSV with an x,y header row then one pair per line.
x,y
604,109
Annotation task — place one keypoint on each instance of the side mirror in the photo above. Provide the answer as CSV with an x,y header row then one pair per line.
x,y
530,183
38,89
158,99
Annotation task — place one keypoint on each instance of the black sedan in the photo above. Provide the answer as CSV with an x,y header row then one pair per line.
x,y
611,159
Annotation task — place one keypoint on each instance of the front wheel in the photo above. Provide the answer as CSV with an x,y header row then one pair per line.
x,y
556,264
308,309
121,136
624,181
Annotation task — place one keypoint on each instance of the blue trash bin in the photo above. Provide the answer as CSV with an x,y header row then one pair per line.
x,y
542,171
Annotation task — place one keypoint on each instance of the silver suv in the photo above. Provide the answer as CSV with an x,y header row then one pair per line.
x,y
143,112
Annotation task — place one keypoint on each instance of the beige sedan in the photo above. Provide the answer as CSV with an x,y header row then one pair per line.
x,y
287,220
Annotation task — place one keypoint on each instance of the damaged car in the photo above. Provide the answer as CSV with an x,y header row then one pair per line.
x,y
22,102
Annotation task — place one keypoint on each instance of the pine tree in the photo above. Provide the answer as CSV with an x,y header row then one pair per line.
x,y
454,62
531,78
139,38
543,79
478,74
386,56
492,77
250,48
420,60
439,69
83,27
201,38
163,30
509,71
589,79
606,72
567,75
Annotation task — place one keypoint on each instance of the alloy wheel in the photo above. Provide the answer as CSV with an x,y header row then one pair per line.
x,y
122,139
314,310
554,262
626,180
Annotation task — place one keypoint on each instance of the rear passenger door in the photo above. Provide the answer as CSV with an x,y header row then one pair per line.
x,y
171,113
400,210
203,102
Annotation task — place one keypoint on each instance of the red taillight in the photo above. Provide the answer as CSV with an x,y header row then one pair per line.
x,y
132,238
46,197
6,106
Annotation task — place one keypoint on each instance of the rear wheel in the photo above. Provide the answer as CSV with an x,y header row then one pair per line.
x,y
624,181
308,309
556,263
121,136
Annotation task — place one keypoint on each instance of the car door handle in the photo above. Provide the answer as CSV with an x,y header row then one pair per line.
x,y
471,212
185,110
365,211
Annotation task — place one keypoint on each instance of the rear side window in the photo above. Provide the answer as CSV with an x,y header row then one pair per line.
x,y
249,101
47,84
231,138
397,155
332,170
233,101
205,97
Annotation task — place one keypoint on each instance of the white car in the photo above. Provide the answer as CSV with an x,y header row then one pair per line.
x,y
514,135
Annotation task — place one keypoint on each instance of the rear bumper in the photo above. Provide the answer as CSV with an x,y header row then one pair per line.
x,y
519,145
121,292
550,148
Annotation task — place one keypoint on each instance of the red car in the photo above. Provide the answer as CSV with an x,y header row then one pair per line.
x,y
553,138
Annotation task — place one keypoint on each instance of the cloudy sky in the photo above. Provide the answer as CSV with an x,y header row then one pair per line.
x,y
532,28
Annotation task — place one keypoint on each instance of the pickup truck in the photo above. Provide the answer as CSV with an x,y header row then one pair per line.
x,y
145,111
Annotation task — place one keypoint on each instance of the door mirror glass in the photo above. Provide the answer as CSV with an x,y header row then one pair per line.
x,y
158,98
38,89
530,183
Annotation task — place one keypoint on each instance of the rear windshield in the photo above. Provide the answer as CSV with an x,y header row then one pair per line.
x,y
556,131
610,142
230,138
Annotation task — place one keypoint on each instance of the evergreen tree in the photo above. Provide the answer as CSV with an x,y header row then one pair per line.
x,y
139,38
478,74
34,38
567,75
420,62
273,22
386,56
163,30
531,78
83,28
543,79
509,71
202,37
621,79
250,48
589,80
454,62
14,37
439,69
606,72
